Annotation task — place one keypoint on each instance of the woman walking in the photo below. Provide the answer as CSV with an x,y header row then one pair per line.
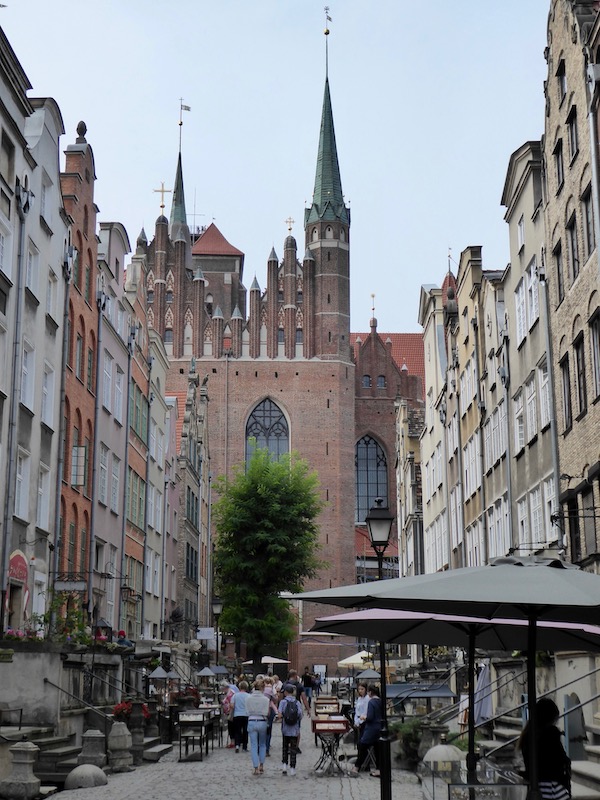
x,y
257,706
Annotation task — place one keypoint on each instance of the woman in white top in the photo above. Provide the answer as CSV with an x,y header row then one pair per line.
x,y
257,707
360,709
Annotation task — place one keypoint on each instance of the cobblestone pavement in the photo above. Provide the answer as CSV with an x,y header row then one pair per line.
x,y
225,774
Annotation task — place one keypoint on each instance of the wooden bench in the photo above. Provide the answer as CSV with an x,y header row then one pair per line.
x,y
7,708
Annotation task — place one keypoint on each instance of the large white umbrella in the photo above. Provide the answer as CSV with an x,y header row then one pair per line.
x,y
355,660
268,660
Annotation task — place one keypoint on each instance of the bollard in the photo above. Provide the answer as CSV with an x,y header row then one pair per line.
x,y
136,726
93,749
22,783
119,748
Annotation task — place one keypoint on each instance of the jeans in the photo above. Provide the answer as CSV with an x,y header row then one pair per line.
x,y
257,731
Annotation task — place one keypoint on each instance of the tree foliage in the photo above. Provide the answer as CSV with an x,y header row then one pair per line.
x,y
267,543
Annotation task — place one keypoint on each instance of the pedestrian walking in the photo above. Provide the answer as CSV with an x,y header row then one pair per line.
x,y
370,733
257,707
554,765
290,712
240,716
307,684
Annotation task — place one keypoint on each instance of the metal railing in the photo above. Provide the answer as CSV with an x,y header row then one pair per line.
x,y
105,717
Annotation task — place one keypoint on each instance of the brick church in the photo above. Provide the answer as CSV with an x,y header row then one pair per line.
x,y
283,367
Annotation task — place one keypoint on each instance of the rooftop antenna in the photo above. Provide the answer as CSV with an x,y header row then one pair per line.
x,y
372,306
182,108
326,32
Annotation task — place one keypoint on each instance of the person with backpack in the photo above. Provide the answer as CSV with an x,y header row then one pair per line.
x,y
300,696
290,713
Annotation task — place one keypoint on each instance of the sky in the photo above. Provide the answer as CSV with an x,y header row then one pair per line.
x,y
429,101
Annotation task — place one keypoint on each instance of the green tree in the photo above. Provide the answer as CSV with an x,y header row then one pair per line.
x,y
267,543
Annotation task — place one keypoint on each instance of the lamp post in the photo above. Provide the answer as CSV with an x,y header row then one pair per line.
x,y
217,609
379,524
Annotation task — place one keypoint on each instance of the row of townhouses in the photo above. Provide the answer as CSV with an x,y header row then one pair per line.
x,y
100,510
509,453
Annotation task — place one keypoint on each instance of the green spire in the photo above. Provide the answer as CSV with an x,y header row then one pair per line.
x,y
178,208
328,199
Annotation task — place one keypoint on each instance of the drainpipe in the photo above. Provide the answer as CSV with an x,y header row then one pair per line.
x,y
504,375
24,200
481,407
147,479
167,481
130,343
56,547
100,303
550,367
593,72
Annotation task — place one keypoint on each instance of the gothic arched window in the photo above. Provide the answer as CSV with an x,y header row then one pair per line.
x,y
371,476
267,427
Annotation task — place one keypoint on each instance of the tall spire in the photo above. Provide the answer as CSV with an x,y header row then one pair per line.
x,y
178,207
328,199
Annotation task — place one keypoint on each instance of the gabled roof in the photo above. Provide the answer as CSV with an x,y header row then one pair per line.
x,y
407,349
213,243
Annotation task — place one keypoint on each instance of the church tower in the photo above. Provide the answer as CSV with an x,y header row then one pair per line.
x,y
327,231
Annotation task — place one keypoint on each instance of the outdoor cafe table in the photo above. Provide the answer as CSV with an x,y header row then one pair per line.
x,y
196,729
329,731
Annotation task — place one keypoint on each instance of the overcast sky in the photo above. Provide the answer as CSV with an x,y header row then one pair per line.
x,y
429,101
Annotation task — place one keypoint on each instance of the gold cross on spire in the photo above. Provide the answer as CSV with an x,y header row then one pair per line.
x,y
162,191
289,222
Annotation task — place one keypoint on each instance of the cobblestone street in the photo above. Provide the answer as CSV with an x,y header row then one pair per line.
x,y
225,774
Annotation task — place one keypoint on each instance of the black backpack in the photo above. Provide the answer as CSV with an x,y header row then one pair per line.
x,y
290,712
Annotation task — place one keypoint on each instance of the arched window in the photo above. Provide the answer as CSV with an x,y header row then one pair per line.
x,y
371,476
267,427
381,381
366,381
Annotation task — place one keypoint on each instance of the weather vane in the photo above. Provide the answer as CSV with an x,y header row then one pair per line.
x,y
372,305
326,32
182,108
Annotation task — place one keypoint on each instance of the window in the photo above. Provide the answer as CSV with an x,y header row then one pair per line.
x,y
138,412
103,475
5,254
7,160
566,393
537,517
589,234
371,476
79,357
521,233
43,500
168,336
22,485
573,247
595,346
561,80
580,374
87,283
78,460
267,427
136,499
559,270
90,370
114,484
27,375
156,575
523,522
51,293
559,166
531,408
519,422
119,382
47,409
158,511
533,303
548,508
544,395
572,131
107,382
381,381
520,311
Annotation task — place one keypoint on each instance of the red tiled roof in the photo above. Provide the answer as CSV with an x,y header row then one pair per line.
x,y
407,348
213,243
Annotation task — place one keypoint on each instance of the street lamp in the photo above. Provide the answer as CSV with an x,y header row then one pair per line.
x,y
379,524
217,609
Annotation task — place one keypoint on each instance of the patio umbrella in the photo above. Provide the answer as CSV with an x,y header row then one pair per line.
x,y
205,673
413,627
356,660
531,588
267,660
368,674
219,670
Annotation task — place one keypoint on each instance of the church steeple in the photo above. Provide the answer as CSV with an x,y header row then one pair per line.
x,y
328,199
178,213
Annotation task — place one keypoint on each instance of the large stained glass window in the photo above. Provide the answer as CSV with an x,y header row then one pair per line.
x,y
371,476
267,427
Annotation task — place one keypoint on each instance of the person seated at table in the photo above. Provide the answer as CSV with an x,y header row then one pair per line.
x,y
370,733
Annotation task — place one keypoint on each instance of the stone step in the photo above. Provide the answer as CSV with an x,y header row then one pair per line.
x,y
506,733
586,773
156,752
55,754
47,742
151,741
581,792
593,752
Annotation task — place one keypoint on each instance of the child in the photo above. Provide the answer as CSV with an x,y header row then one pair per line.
x,y
290,713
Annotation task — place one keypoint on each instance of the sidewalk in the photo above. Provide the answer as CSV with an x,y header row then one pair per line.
x,y
225,774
